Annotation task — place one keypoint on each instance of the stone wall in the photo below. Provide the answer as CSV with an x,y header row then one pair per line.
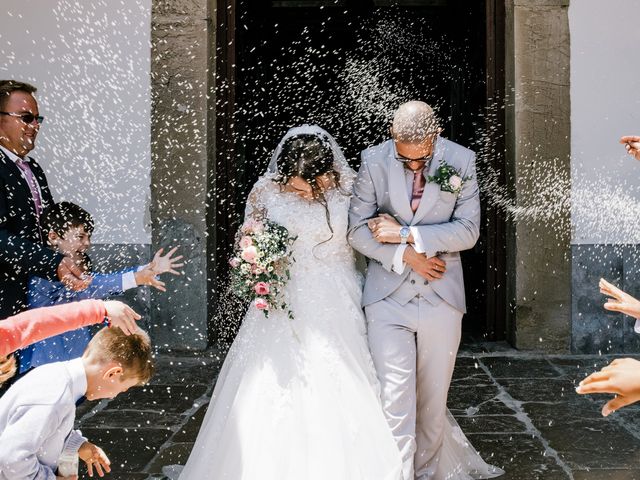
x,y
182,36
538,133
595,330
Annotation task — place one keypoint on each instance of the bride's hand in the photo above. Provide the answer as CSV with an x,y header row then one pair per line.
x,y
619,301
385,229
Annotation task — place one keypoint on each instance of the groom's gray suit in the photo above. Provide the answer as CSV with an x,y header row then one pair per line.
x,y
414,325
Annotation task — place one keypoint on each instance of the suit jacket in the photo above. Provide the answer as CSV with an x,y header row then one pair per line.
x,y
67,345
22,251
448,223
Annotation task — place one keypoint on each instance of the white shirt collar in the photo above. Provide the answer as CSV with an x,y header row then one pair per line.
x,y
78,377
12,155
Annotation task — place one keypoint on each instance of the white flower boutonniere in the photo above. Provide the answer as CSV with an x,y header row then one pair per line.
x,y
449,178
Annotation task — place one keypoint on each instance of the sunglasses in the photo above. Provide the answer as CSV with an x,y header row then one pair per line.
x,y
27,118
402,159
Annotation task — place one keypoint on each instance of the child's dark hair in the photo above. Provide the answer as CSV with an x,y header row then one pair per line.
x,y
62,216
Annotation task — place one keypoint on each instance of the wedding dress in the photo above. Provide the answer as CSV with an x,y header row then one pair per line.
x,y
298,399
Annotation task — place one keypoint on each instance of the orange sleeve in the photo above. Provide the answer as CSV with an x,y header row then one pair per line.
x,y
34,325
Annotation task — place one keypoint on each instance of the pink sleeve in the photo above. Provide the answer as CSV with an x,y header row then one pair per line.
x,y
34,325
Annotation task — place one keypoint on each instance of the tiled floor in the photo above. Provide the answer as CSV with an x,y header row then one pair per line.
x,y
519,410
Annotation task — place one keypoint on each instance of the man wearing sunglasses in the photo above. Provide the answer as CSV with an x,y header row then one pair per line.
x,y
412,224
24,194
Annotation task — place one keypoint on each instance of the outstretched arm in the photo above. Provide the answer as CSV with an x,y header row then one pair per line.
x,y
34,325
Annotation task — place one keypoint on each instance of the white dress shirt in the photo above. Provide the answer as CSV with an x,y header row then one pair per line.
x,y
398,264
36,420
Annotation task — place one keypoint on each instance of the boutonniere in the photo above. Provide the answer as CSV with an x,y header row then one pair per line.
x,y
449,178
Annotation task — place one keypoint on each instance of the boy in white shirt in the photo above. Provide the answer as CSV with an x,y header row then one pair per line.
x,y
38,411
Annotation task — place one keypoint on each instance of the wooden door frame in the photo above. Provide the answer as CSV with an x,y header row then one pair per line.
x,y
221,218
496,267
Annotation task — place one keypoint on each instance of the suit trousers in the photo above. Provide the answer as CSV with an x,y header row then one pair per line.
x,y
414,348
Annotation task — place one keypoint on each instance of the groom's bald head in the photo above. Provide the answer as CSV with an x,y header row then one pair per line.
x,y
413,123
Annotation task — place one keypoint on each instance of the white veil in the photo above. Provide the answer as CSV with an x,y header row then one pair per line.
x,y
340,163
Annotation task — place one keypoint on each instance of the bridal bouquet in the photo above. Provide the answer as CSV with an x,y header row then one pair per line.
x,y
260,266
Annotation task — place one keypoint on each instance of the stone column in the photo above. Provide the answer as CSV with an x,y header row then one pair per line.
x,y
182,35
538,156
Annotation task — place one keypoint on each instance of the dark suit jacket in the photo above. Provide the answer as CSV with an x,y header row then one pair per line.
x,y
22,251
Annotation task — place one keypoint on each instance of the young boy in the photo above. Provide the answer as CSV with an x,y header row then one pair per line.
x,y
38,411
69,228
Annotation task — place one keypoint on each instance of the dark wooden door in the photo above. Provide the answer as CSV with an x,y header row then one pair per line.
x,y
342,65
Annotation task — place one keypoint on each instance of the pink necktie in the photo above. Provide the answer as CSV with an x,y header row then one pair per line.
x,y
33,185
418,188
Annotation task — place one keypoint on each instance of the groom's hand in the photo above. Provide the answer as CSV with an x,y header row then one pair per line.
x,y
430,268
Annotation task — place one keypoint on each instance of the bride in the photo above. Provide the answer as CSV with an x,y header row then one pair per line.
x,y
299,399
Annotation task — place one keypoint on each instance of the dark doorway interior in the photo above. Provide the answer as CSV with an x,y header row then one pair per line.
x,y
346,66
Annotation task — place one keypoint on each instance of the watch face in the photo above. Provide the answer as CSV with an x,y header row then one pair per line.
x,y
404,232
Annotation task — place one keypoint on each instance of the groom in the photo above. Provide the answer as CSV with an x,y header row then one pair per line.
x,y
413,227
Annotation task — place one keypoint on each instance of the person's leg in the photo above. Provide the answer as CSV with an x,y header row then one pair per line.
x,y
438,338
393,348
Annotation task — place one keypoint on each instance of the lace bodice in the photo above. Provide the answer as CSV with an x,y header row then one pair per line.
x,y
316,247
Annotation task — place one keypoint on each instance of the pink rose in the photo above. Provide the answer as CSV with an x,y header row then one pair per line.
x,y
245,242
249,254
262,288
261,304
234,262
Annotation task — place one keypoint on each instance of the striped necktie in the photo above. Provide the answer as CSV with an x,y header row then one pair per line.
x,y
33,185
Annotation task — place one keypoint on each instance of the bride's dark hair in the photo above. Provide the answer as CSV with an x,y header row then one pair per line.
x,y
309,156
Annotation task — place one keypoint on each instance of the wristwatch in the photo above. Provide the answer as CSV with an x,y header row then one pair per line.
x,y
404,235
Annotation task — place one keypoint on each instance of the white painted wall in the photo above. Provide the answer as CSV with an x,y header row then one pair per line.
x,y
91,63
605,104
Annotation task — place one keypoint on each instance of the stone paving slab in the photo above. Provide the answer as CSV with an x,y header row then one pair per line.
x,y
519,410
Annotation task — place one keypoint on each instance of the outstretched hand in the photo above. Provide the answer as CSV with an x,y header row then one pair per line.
x,y
122,316
632,144
621,377
160,264
168,263
94,457
618,300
